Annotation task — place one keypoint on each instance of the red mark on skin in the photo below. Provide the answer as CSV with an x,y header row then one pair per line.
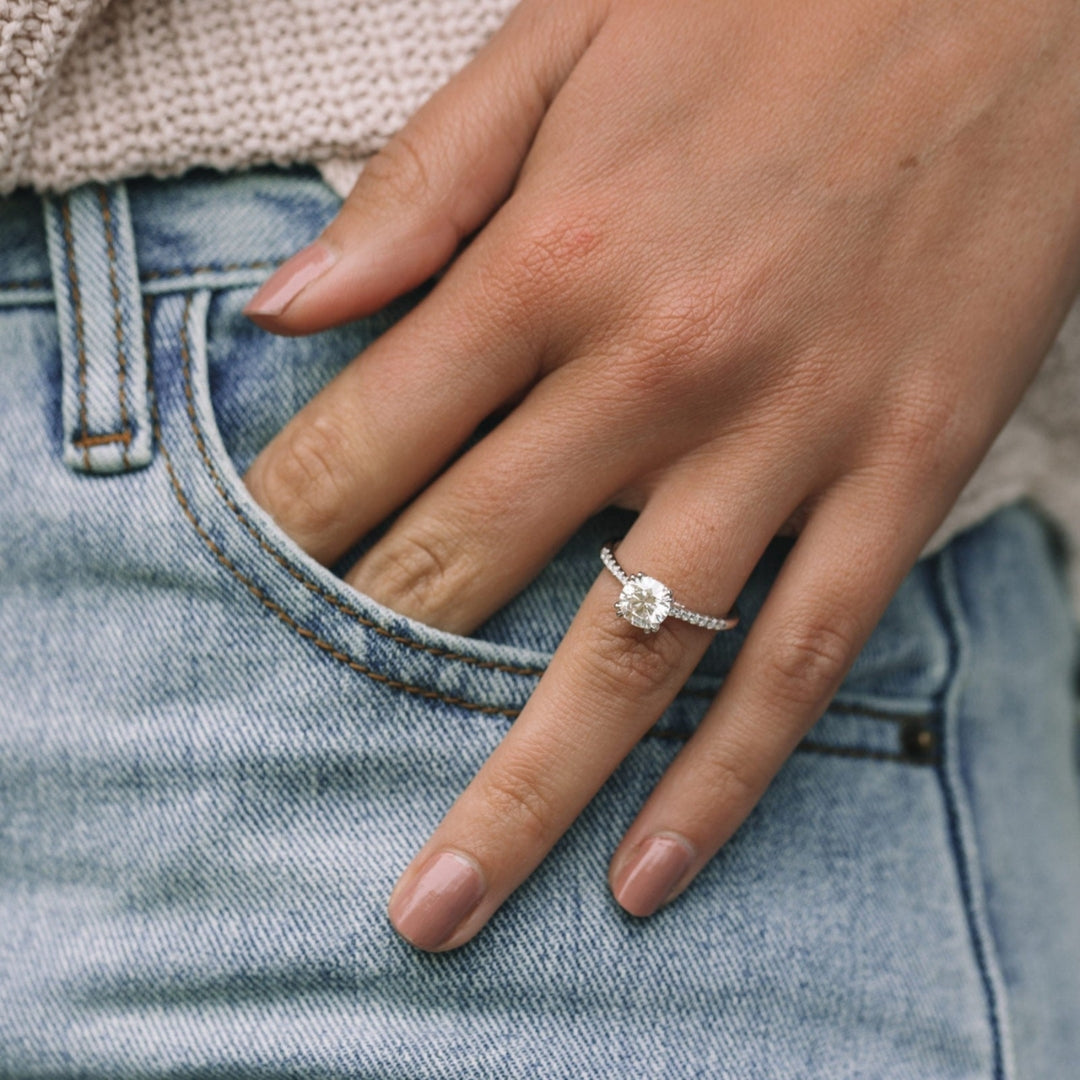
x,y
582,240
550,246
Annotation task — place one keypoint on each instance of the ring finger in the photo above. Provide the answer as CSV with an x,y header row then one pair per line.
x,y
606,685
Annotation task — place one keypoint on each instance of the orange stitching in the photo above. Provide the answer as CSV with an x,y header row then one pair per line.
x,y
69,259
104,440
118,319
32,283
150,275
842,707
288,620
308,584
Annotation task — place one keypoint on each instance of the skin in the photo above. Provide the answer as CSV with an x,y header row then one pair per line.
x,y
731,265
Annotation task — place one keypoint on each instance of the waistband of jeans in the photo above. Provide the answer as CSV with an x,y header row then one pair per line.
x,y
205,228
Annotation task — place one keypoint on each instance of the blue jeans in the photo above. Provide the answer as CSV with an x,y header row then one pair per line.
x,y
216,758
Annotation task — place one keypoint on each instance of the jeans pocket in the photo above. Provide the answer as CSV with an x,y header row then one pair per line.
x,y
267,568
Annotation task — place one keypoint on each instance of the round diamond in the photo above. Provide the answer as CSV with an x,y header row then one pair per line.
x,y
645,602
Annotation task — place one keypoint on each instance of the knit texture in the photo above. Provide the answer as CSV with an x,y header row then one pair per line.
x,y
90,90
97,90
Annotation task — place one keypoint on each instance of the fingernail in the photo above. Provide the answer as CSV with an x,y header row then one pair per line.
x,y
653,872
448,888
298,271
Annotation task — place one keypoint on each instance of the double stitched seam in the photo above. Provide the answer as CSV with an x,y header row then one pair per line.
x,y
32,283
221,268
296,574
951,798
849,710
76,299
118,326
276,609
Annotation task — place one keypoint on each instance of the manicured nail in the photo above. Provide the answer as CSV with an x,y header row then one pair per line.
x,y
653,872
448,888
298,271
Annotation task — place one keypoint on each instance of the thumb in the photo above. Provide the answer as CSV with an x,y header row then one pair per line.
x,y
438,180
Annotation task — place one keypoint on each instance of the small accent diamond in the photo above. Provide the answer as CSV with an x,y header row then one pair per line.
x,y
645,602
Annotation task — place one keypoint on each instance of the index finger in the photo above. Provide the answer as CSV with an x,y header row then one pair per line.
x,y
607,684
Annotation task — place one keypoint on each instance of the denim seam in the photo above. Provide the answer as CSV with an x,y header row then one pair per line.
x,y
76,299
899,757
28,283
210,268
118,327
961,831
36,284
850,710
280,613
297,574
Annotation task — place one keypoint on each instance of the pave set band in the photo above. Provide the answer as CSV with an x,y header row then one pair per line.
x,y
646,602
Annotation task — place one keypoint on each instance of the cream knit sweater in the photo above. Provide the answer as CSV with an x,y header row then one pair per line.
x,y
104,89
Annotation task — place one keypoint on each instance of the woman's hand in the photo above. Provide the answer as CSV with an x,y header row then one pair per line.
x,y
734,264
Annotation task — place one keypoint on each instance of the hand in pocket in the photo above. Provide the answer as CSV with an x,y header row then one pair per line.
x,y
731,266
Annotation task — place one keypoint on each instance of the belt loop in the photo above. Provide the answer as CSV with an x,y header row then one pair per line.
x,y
95,276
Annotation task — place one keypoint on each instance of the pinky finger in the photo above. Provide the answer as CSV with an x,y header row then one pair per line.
x,y
831,592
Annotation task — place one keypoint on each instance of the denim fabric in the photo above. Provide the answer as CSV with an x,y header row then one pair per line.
x,y
216,758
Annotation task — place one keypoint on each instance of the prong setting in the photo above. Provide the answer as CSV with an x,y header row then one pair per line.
x,y
645,602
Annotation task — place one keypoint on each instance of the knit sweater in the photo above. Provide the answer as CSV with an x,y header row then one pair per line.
x,y
106,89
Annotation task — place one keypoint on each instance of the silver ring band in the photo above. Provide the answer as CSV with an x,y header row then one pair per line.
x,y
646,602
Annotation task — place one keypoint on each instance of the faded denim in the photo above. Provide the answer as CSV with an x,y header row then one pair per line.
x,y
216,758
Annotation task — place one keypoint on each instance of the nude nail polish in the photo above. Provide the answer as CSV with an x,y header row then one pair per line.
x,y
297,272
447,889
653,872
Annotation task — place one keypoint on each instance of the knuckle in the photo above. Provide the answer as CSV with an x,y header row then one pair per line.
x,y
687,323
554,246
923,425
808,658
302,482
627,663
733,783
679,345
400,170
419,571
518,800
924,430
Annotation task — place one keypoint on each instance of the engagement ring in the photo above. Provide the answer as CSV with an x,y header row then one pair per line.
x,y
646,602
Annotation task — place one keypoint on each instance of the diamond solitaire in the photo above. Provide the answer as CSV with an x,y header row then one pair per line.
x,y
646,602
